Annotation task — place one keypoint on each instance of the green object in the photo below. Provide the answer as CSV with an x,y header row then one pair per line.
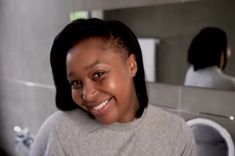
x,y
78,14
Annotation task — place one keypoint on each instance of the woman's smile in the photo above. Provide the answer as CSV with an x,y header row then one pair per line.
x,y
102,108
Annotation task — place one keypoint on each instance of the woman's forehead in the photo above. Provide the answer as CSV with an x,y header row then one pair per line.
x,y
102,43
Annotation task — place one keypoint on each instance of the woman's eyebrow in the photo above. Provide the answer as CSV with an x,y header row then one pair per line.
x,y
96,62
89,66
70,74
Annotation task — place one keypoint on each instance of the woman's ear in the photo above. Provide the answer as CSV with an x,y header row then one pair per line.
x,y
229,53
132,65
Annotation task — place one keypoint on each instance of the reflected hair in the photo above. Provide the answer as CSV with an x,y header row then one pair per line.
x,y
207,47
79,30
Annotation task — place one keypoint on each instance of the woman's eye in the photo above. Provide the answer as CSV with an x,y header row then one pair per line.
x,y
97,75
76,84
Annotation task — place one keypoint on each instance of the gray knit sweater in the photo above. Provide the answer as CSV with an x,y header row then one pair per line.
x,y
74,133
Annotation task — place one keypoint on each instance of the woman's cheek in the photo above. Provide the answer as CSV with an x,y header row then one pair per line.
x,y
111,84
76,96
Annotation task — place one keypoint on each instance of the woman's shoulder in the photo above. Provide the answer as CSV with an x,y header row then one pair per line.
x,y
70,119
167,121
174,128
163,115
229,80
58,127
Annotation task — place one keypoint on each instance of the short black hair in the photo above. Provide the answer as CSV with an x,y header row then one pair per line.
x,y
207,47
83,29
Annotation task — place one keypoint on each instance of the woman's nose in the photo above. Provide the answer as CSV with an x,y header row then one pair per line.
x,y
89,92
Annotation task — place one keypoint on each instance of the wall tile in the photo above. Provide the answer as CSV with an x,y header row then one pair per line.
x,y
208,101
163,95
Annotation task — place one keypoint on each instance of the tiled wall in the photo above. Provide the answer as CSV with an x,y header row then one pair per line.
x,y
189,103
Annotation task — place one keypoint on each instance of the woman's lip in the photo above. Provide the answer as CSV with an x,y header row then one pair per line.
x,y
101,108
100,105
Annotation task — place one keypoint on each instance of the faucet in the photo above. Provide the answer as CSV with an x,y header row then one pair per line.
x,y
23,137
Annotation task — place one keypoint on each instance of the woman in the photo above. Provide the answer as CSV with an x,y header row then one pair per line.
x,y
100,85
208,55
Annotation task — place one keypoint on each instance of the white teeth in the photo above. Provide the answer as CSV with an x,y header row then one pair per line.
x,y
101,105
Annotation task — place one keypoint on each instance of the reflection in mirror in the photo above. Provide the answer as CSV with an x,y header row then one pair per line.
x,y
176,25
208,55
149,50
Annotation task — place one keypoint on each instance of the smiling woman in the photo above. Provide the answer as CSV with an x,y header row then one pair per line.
x,y
101,80
101,91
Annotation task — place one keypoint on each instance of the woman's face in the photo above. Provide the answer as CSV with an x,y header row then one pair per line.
x,y
101,80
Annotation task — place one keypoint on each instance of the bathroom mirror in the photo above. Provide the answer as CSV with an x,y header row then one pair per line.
x,y
175,25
